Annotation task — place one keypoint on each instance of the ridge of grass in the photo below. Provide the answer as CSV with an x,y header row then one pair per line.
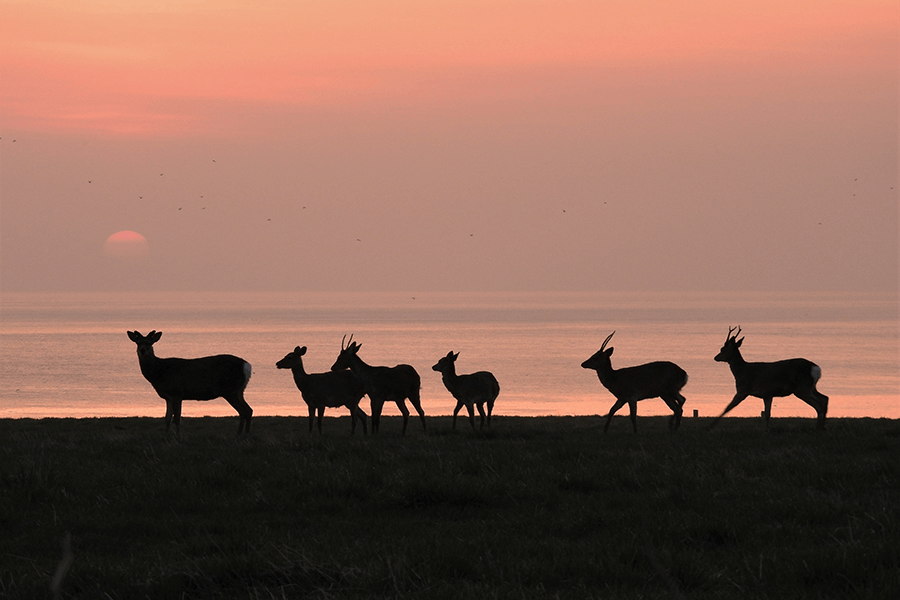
x,y
536,507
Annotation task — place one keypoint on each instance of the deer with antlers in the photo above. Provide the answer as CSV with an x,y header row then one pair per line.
x,y
332,389
660,379
179,379
768,380
472,390
382,384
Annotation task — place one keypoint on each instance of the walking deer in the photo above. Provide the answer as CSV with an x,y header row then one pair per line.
x,y
332,389
382,384
768,380
179,379
661,379
472,390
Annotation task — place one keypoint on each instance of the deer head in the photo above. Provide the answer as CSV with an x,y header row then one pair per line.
x,y
600,361
730,349
348,352
145,344
292,359
446,363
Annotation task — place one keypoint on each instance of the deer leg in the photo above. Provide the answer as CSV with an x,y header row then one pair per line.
x,y
401,404
352,418
176,416
767,402
480,407
312,416
359,414
243,409
674,403
823,401
490,406
681,400
619,404
471,410
632,409
417,404
738,398
249,413
818,401
319,417
456,410
377,405
170,413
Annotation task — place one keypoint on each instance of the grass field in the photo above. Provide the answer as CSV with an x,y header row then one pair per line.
x,y
536,508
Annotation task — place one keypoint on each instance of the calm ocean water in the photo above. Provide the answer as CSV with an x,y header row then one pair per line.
x,y
67,355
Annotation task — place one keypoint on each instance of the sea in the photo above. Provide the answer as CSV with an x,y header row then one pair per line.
x,y
68,355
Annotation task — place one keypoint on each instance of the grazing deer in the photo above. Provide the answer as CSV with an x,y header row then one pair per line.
x,y
473,390
179,379
382,384
768,380
332,388
661,379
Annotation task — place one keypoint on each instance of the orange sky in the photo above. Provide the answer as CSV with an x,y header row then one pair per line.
x,y
550,145
150,67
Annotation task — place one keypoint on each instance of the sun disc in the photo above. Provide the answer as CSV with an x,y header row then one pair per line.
x,y
126,245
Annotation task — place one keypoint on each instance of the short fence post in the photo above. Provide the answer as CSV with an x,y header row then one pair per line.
x,y
696,412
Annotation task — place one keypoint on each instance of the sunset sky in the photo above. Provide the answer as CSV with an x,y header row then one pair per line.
x,y
450,145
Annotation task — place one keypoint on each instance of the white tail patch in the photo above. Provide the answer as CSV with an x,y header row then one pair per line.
x,y
248,370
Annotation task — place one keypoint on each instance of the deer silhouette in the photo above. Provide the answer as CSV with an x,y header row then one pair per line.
x,y
382,384
179,379
768,380
331,389
661,379
472,390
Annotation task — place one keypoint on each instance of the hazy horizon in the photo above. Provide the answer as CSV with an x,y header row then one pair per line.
x,y
450,146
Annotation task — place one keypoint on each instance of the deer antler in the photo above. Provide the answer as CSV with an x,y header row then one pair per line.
x,y
732,330
606,341
343,346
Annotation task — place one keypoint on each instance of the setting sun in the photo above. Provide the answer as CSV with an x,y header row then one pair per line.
x,y
126,245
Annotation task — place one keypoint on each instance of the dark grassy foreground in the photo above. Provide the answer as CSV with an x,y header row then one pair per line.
x,y
539,507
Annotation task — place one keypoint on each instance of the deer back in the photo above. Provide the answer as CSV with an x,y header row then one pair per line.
x,y
660,378
397,381
197,378
332,388
481,385
776,379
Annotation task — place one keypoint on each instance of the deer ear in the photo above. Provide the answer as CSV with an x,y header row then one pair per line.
x,y
133,335
154,336
455,356
739,342
300,351
609,352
